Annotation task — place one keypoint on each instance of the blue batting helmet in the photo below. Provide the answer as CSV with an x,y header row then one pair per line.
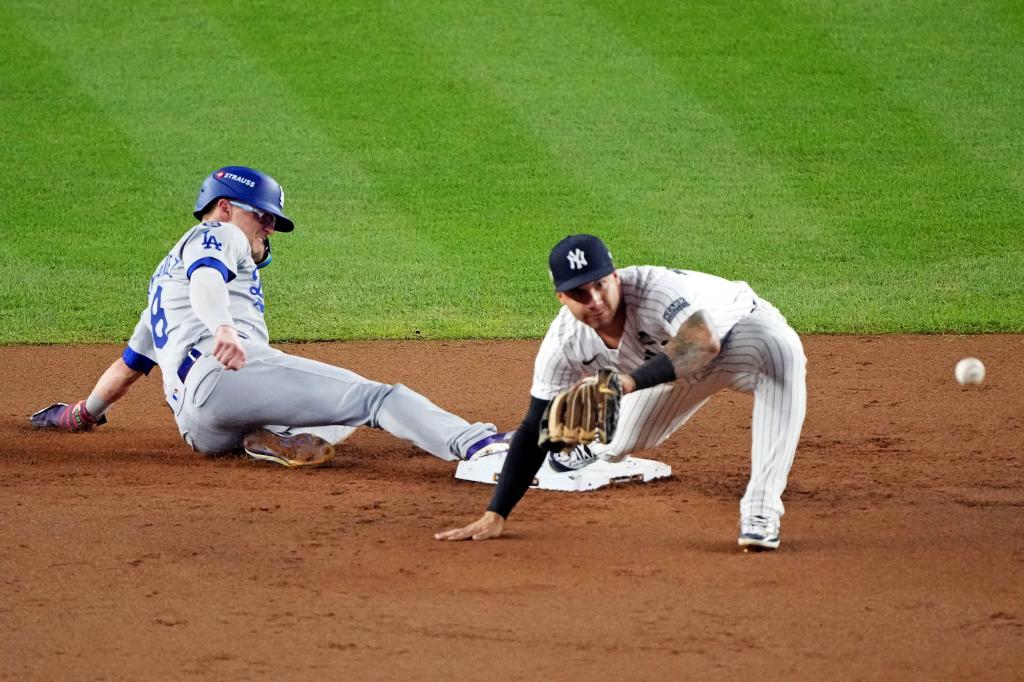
x,y
248,186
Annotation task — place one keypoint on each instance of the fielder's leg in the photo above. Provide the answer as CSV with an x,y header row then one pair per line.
x,y
761,355
648,417
780,404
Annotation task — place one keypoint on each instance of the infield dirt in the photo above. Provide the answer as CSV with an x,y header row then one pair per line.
x,y
123,555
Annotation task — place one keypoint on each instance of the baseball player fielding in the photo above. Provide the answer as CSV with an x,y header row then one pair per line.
x,y
676,337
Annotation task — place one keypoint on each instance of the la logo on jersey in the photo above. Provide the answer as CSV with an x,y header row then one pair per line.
x,y
210,242
577,259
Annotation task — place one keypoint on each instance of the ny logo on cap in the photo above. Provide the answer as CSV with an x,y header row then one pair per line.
x,y
577,259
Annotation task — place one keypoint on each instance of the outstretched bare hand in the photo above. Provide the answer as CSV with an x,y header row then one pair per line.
x,y
488,526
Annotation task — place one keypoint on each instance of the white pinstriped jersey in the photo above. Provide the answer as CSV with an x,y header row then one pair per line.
x,y
657,301
168,327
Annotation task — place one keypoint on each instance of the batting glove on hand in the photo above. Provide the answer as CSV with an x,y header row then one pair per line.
x,y
64,417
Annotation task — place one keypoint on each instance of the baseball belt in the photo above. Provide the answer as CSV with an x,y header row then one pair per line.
x,y
186,364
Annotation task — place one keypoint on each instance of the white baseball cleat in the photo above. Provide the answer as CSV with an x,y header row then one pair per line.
x,y
759,533
577,458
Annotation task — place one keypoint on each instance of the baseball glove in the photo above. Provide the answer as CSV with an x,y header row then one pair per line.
x,y
66,417
582,414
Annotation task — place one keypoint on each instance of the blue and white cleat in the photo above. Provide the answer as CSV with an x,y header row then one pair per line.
x,y
759,533
577,458
490,445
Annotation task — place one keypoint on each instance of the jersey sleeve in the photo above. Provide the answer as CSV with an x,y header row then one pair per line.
x,y
553,371
680,293
522,463
670,299
139,352
220,246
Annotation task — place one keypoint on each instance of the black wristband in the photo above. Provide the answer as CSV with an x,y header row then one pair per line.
x,y
657,370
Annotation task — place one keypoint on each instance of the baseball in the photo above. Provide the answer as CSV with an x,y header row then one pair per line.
x,y
969,371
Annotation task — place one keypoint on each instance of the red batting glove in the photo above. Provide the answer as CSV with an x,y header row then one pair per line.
x,y
64,417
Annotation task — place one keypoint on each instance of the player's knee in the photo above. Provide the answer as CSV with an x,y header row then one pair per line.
x,y
378,394
783,355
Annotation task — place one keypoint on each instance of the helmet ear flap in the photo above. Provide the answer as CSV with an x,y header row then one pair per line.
x,y
210,206
209,192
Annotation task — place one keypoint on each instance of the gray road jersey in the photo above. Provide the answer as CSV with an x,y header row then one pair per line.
x,y
215,408
168,327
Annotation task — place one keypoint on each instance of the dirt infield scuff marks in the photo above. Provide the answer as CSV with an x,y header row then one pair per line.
x,y
902,538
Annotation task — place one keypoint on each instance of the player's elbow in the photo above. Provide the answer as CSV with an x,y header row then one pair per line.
x,y
704,334
123,371
713,346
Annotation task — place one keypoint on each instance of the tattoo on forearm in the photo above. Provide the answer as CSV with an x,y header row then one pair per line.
x,y
694,346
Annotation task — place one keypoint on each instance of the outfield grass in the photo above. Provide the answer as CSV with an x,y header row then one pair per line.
x,y
859,163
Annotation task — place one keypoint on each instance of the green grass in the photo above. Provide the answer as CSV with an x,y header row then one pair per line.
x,y
859,163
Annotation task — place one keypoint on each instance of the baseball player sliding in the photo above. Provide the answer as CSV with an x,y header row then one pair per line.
x,y
228,389
675,338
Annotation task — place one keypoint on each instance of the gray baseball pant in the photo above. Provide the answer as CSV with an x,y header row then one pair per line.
x,y
288,393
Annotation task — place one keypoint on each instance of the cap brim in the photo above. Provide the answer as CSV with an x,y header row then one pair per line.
x,y
585,278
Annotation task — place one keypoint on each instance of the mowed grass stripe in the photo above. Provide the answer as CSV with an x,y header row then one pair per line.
x,y
962,66
665,180
89,201
222,114
850,145
433,152
378,278
71,172
446,154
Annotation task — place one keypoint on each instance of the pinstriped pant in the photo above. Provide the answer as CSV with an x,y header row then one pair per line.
x,y
761,355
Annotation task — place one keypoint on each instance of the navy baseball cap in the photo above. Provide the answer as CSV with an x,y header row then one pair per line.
x,y
577,260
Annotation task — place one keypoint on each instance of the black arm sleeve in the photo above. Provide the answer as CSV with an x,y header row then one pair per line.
x,y
657,370
523,461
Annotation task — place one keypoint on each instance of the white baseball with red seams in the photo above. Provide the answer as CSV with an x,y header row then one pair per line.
x,y
969,372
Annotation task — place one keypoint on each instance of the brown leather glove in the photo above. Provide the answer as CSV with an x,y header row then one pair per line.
x,y
586,412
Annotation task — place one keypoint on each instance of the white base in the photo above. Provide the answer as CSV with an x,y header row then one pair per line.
x,y
487,469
